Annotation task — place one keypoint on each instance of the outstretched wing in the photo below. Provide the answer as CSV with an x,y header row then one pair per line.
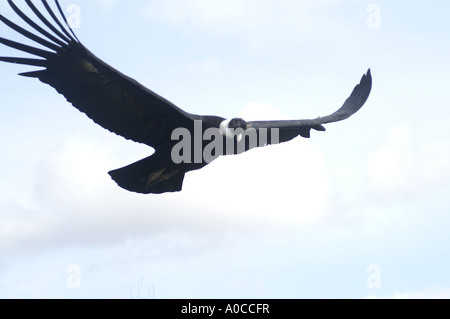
x,y
291,129
113,100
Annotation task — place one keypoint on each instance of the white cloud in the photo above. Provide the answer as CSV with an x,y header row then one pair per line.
x,y
389,165
280,187
403,166
77,202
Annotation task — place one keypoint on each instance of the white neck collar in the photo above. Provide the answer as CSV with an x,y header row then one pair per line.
x,y
228,132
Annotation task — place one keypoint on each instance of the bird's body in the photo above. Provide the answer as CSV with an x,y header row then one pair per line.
x,y
182,141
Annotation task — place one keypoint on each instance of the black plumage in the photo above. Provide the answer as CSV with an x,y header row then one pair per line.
x,y
125,107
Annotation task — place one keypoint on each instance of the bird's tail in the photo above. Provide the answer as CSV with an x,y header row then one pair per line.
x,y
149,176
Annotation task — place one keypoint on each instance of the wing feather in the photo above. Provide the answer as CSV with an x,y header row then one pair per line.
x,y
111,99
35,26
293,128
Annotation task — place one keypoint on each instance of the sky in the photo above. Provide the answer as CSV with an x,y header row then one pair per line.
x,y
360,211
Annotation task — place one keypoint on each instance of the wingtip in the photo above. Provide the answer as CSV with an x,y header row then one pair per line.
x,y
367,79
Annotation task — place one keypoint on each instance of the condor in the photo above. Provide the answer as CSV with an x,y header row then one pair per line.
x,y
126,108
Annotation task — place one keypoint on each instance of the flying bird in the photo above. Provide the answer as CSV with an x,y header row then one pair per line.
x,y
182,141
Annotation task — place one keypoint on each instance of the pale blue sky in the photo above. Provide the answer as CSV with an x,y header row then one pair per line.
x,y
314,214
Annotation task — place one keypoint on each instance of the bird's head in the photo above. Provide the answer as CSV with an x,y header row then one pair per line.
x,y
235,127
238,123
